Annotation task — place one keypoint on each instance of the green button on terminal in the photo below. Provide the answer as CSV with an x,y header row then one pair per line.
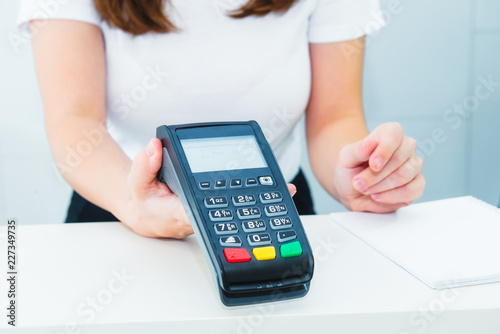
x,y
291,249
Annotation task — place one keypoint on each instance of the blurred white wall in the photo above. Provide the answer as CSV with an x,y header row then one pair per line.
x,y
420,69
31,190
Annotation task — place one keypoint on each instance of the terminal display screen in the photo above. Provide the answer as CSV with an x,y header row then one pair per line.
x,y
223,153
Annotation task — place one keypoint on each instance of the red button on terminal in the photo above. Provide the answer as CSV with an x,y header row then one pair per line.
x,y
234,255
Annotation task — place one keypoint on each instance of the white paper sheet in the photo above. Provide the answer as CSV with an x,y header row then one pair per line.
x,y
446,243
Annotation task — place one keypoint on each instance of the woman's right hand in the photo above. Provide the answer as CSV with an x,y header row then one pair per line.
x,y
152,209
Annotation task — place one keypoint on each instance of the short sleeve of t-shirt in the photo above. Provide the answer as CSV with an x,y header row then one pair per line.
x,y
342,20
79,10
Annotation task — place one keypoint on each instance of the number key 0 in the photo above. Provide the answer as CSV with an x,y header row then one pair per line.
x,y
259,239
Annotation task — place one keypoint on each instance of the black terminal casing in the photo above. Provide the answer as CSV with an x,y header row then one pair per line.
x,y
247,282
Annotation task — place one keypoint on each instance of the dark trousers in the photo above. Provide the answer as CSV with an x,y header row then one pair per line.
x,y
80,210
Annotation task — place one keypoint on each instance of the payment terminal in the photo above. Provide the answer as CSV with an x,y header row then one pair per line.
x,y
240,208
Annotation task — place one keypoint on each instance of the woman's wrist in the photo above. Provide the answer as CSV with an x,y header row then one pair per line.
x,y
120,201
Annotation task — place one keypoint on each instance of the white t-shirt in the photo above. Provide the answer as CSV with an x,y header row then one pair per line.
x,y
215,68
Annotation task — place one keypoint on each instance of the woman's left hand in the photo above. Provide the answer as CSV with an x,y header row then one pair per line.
x,y
380,173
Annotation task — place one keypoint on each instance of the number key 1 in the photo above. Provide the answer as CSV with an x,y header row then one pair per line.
x,y
216,202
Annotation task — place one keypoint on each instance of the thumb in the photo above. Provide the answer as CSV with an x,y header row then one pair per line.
x,y
145,166
353,155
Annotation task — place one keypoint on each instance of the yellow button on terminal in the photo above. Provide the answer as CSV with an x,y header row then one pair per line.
x,y
264,253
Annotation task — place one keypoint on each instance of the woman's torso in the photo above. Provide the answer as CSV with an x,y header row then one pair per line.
x,y
215,68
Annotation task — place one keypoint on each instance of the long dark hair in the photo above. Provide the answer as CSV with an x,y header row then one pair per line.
x,y
142,16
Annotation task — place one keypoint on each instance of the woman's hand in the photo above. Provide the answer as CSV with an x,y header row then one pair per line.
x,y
380,173
153,210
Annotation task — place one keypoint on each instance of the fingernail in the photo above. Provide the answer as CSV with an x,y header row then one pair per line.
x,y
376,197
360,185
377,162
150,149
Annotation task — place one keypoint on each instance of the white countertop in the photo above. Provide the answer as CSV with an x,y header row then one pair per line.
x,y
167,288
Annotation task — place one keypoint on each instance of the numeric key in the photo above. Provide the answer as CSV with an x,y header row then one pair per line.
x,y
220,215
254,226
275,210
259,239
248,213
226,228
280,223
244,200
216,202
270,197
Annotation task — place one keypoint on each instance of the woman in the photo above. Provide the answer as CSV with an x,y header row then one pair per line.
x,y
111,71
